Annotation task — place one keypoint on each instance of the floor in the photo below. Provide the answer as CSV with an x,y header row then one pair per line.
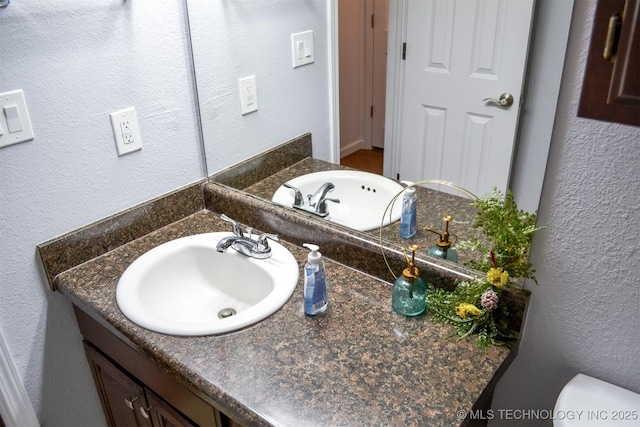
x,y
365,160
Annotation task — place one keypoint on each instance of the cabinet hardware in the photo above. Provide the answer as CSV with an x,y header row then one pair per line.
x,y
145,413
611,42
130,401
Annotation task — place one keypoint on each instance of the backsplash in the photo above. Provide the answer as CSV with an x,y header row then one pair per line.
x,y
74,248
265,164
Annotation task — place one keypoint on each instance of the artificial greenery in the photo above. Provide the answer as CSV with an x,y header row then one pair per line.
x,y
509,232
460,308
476,306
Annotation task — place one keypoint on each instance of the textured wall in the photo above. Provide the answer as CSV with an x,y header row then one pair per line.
x,y
77,61
584,315
235,39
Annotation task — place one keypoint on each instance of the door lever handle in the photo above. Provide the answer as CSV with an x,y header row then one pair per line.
x,y
506,100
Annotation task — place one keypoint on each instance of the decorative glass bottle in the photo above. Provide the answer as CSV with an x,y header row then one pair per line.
x,y
442,248
409,290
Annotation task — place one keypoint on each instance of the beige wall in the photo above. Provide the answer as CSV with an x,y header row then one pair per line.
x,y
352,83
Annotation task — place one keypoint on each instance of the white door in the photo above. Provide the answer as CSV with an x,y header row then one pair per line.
x,y
459,53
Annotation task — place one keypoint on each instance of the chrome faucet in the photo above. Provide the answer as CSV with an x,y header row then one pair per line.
x,y
298,200
314,201
246,245
317,202
321,207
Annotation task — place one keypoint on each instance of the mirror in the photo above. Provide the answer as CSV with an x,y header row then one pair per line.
x,y
265,174
236,39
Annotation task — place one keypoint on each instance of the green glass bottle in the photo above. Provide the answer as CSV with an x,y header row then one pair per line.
x,y
442,248
409,290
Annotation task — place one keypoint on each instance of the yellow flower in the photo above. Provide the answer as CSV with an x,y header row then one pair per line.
x,y
465,309
497,277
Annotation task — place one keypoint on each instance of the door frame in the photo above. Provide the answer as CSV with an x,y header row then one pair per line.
x,y
17,408
550,34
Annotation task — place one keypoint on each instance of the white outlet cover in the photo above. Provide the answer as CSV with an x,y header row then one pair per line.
x,y
15,124
248,94
126,131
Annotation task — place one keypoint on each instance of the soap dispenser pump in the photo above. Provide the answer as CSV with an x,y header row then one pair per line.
x,y
409,289
315,282
442,248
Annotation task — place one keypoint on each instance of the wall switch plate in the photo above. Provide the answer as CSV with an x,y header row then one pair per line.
x,y
15,124
302,48
248,94
126,131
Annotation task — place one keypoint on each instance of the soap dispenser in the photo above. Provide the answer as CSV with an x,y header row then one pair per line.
x,y
315,282
409,289
442,248
409,213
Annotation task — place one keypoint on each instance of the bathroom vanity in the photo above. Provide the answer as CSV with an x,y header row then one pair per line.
x,y
357,364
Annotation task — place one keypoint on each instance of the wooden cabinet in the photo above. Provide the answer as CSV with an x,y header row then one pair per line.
x,y
135,392
611,87
124,400
163,415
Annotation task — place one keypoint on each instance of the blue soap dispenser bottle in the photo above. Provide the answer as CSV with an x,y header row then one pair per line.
x,y
408,218
442,248
409,296
315,282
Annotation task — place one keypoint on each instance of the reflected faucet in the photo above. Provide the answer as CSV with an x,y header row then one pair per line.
x,y
314,201
298,200
317,204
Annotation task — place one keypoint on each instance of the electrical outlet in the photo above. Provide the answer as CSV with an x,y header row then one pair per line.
x,y
248,94
126,131
127,134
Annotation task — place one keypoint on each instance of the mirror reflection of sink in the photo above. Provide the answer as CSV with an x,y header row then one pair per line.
x,y
185,287
363,197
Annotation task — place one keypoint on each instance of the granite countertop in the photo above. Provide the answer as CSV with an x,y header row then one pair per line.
x,y
357,364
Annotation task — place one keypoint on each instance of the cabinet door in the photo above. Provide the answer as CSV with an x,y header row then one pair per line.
x,y
164,415
611,87
121,397
225,421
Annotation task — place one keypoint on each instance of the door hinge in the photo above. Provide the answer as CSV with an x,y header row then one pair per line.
x,y
398,176
371,111
372,20
404,51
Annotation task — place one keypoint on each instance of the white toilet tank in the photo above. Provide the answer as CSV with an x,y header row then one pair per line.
x,y
587,401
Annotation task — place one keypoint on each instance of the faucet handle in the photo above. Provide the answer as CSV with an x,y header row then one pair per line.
x,y
298,199
263,241
322,205
249,232
237,231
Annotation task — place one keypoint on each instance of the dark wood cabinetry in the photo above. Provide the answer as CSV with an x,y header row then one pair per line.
x,y
135,392
611,88
124,400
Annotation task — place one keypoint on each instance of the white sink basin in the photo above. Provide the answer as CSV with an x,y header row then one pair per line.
x,y
181,287
363,197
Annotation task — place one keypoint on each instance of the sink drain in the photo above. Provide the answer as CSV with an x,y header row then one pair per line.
x,y
226,312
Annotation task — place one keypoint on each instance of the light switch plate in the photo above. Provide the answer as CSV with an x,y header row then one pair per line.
x,y
126,131
15,124
302,48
